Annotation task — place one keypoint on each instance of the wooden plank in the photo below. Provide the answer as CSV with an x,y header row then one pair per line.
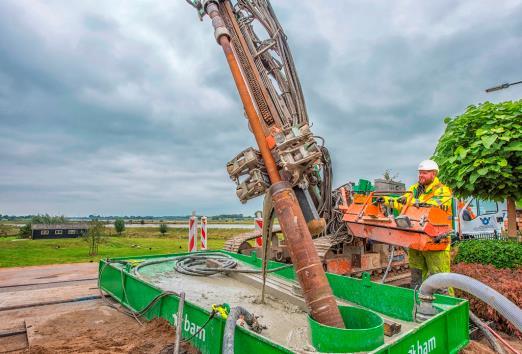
x,y
391,328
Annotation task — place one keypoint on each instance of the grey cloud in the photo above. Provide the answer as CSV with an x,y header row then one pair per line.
x,y
129,108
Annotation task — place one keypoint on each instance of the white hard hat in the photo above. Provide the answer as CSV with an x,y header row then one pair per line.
x,y
428,165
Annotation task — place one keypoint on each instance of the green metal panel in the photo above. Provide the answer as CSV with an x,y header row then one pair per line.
x,y
363,186
446,332
390,300
364,331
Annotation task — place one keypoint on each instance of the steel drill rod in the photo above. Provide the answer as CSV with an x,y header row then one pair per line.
x,y
316,289
253,118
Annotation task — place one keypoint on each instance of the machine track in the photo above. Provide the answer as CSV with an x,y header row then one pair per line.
x,y
324,244
239,242
327,247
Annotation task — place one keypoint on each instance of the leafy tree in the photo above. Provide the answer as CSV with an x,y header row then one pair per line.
x,y
119,225
163,229
94,236
48,219
25,231
388,176
480,154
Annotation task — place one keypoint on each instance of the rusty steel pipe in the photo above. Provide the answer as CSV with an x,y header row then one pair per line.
x,y
309,270
224,40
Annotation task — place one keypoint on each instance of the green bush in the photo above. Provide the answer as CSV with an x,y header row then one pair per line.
x,y
501,254
119,225
163,228
25,231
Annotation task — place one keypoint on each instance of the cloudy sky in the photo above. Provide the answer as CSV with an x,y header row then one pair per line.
x,y
128,107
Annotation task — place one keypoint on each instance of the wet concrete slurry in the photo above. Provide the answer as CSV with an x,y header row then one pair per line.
x,y
287,323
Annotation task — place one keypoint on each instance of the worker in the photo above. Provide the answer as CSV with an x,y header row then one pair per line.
x,y
429,190
467,214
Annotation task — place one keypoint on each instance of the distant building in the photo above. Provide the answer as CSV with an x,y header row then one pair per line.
x,y
41,231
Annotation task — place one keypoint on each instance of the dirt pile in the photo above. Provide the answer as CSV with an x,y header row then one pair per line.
x,y
506,281
103,330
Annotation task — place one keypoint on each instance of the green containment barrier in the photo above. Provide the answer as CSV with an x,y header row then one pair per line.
x,y
364,332
446,332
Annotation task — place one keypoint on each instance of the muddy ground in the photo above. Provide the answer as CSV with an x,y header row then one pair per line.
x,y
482,346
102,330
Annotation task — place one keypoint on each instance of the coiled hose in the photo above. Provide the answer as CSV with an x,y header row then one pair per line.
x,y
201,265
198,264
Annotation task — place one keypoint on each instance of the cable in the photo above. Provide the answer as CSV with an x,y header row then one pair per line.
x,y
212,314
125,297
320,138
107,302
169,348
389,264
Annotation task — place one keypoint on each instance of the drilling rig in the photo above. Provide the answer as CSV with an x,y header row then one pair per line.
x,y
347,230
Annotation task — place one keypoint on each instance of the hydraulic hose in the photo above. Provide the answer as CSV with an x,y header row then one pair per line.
x,y
230,327
493,298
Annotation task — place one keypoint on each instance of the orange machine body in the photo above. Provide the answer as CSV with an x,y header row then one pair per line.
x,y
422,228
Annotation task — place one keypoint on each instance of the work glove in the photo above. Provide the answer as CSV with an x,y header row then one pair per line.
x,y
380,200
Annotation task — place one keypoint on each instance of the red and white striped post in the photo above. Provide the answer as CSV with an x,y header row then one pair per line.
x,y
193,233
203,233
258,222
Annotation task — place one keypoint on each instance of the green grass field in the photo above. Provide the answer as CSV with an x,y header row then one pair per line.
x,y
16,252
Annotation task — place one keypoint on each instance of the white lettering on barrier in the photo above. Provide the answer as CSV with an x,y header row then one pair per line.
x,y
190,327
423,348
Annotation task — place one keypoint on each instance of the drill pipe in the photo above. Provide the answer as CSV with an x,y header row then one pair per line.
x,y
308,268
316,289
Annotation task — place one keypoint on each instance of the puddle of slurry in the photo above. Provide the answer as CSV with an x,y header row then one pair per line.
x,y
286,323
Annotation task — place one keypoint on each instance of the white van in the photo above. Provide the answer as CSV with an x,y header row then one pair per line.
x,y
479,219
